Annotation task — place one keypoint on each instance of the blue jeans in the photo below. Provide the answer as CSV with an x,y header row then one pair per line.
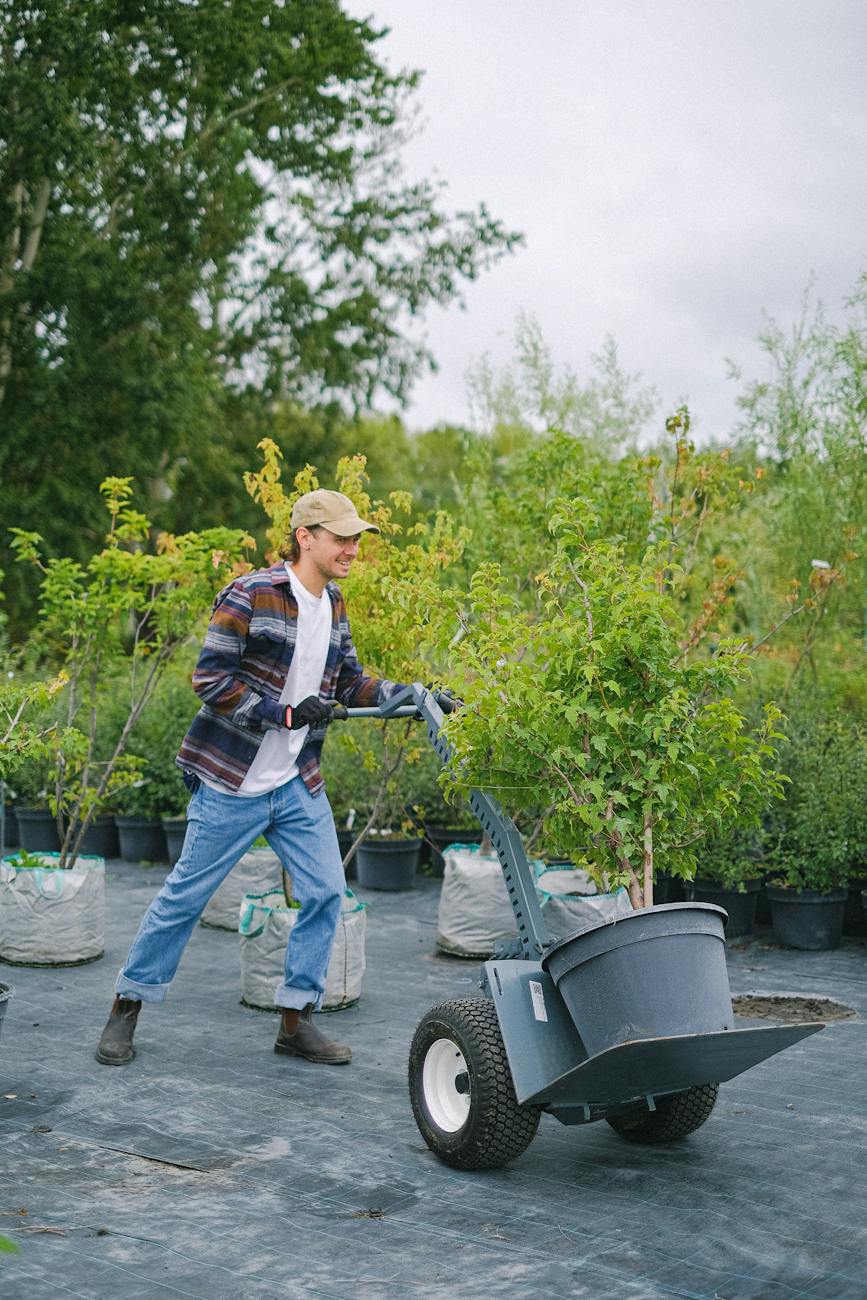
x,y
221,827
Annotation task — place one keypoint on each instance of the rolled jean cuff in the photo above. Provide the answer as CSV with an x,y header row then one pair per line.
x,y
297,999
127,988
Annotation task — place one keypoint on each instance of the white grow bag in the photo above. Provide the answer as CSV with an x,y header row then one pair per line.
x,y
257,872
50,917
563,893
264,926
474,909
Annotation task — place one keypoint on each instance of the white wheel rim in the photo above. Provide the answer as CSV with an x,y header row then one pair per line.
x,y
444,1065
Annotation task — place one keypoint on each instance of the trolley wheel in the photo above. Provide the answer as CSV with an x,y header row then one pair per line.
x,y
461,1087
675,1116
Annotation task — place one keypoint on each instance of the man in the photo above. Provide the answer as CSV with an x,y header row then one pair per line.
x,y
277,654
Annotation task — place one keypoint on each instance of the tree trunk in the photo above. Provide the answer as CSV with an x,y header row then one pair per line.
x,y
11,270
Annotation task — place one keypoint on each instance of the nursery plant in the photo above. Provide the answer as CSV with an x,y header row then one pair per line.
x,y
25,722
605,701
23,740
122,616
155,740
815,838
732,858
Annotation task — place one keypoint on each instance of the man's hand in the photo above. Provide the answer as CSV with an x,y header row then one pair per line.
x,y
309,712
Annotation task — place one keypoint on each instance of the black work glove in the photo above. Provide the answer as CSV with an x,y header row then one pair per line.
x,y
309,712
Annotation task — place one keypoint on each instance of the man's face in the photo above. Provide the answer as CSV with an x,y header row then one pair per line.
x,y
331,554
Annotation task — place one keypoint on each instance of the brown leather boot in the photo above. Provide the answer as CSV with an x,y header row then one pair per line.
x,y
115,1045
298,1036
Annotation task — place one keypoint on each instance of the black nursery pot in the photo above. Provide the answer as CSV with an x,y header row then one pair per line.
x,y
668,889
10,828
854,921
346,839
101,838
658,972
440,837
37,830
175,830
807,918
741,908
388,864
142,839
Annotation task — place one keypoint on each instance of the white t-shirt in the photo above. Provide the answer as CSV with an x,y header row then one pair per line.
x,y
277,759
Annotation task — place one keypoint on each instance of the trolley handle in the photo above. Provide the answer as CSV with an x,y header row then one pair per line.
x,y
444,698
340,713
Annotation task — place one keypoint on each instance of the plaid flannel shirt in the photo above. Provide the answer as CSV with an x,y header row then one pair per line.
x,y
241,672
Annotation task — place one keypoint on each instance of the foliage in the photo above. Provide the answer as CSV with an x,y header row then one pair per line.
x,y
28,861
597,701
351,784
201,201
805,421
609,411
817,838
129,607
732,859
22,739
370,766
154,741
684,501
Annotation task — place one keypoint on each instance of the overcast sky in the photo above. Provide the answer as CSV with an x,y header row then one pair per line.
x,y
677,167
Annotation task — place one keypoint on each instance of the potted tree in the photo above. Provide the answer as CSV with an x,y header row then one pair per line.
x,y
809,837
603,700
21,741
638,745
442,824
729,874
153,819
139,826
36,823
123,615
389,845
350,787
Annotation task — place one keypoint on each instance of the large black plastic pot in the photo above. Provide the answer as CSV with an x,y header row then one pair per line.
x,y
763,907
37,830
654,973
854,921
807,918
10,828
101,839
388,864
741,907
6,991
346,839
440,837
142,839
668,889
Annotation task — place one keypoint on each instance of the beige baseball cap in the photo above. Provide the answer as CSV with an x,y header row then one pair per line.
x,y
331,510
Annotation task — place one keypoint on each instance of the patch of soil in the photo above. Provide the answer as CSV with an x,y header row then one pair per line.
x,y
791,1010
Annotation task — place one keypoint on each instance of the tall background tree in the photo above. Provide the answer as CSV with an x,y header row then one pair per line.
x,y
202,217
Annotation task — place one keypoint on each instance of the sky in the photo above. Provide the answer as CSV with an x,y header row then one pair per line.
x,y
677,167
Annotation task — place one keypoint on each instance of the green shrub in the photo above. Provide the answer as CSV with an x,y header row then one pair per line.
x,y
817,837
731,860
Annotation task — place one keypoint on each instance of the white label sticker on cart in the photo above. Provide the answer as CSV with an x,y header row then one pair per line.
x,y
538,1000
